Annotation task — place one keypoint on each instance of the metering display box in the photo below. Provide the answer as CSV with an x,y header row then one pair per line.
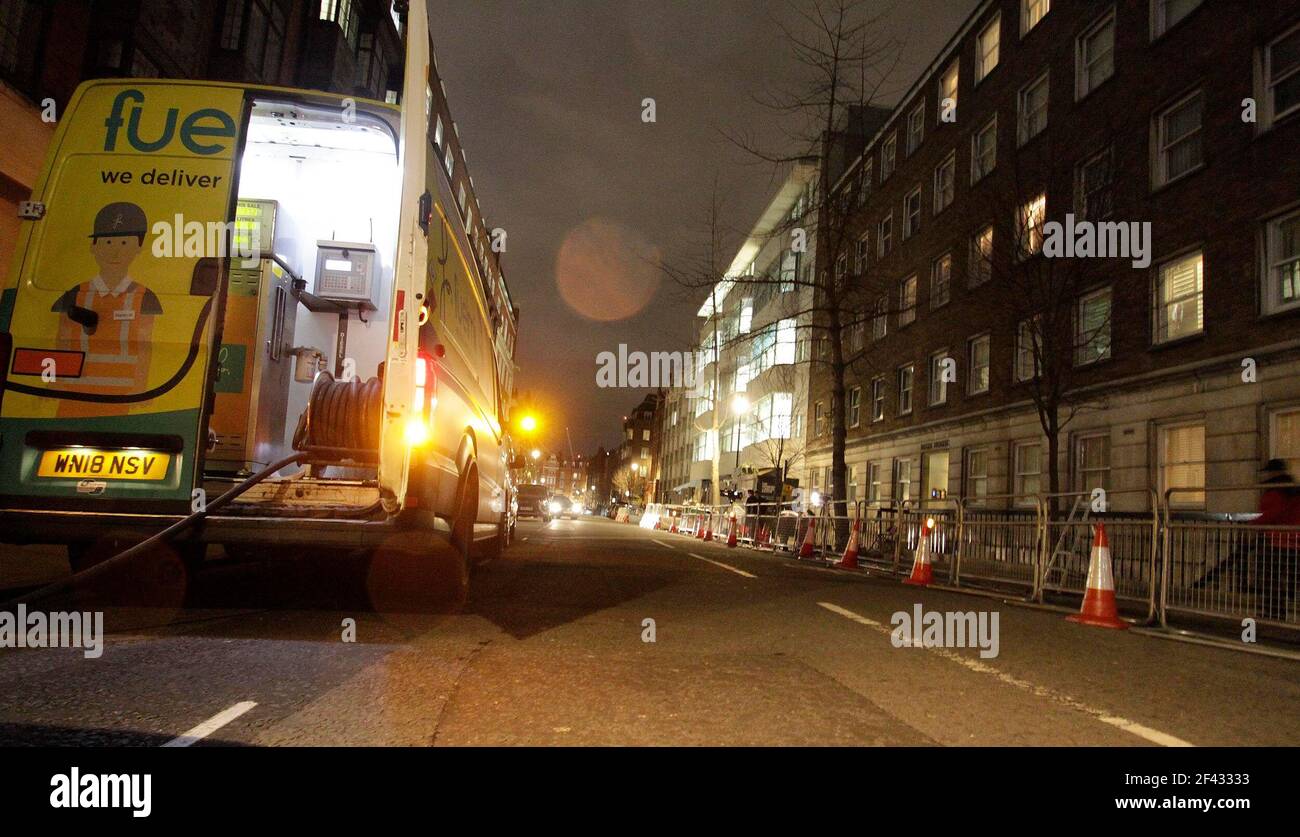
x,y
345,272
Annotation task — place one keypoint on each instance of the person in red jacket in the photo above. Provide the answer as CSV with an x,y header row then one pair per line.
x,y
1279,505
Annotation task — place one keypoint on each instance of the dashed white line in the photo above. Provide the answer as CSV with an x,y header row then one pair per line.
x,y
211,725
735,570
661,543
1153,735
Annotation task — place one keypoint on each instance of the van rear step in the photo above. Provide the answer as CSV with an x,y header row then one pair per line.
x,y
299,496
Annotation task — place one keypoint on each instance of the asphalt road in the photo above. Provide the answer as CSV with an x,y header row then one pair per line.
x,y
748,648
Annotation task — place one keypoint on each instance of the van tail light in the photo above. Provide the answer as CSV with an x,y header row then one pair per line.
x,y
426,398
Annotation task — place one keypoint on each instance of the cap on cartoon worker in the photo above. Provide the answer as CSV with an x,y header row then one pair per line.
x,y
115,241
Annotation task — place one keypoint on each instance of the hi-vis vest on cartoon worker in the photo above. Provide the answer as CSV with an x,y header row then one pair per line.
x,y
109,319
346,377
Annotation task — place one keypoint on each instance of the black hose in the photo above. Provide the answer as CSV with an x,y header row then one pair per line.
x,y
166,534
341,414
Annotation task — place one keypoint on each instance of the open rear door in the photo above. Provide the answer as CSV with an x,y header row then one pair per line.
x,y
114,303
410,272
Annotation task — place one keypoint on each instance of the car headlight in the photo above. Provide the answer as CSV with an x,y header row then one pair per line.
x,y
576,508
554,507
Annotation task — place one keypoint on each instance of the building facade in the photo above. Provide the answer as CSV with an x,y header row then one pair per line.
x,y
1170,133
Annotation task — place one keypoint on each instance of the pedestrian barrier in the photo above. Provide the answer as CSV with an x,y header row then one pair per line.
x,y
1000,540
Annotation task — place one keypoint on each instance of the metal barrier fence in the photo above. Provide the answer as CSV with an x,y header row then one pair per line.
x,y
1165,558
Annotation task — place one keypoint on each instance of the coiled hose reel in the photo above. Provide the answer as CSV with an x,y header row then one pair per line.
x,y
342,416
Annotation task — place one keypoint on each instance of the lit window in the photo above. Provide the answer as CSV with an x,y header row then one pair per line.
x,y
938,386
1033,109
1282,263
819,419
1092,463
948,93
977,350
1179,298
1182,464
854,407
1092,328
940,280
1029,226
1095,61
1032,11
977,475
1027,460
984,150
907,301
1178,140
986,49
945,177
1284,437
878,399
873,482
981,257
903,480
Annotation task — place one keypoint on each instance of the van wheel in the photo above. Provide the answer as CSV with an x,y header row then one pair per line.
x,y
497,546
456,570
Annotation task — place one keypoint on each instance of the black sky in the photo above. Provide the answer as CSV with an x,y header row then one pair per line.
x,y
547,97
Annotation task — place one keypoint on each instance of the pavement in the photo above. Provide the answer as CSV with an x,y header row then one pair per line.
x,y
748,648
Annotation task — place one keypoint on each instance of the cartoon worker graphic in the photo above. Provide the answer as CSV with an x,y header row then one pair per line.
x,y
110,317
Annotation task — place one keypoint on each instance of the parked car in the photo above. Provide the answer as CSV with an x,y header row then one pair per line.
x,y
534,502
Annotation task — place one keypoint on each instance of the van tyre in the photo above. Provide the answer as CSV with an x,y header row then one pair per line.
x,y
456,569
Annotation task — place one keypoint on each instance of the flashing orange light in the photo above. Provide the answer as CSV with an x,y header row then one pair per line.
x,y
528,423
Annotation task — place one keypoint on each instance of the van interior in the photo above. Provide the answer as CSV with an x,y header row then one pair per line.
x,y
318,199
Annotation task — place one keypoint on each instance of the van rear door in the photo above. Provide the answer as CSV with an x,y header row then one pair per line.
x,y
113,305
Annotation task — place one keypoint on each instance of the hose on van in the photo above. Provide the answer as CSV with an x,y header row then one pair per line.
x,y
341,415
165,535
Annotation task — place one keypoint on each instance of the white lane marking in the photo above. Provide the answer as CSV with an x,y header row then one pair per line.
x,y
1153,735
211,725
661,543
735,570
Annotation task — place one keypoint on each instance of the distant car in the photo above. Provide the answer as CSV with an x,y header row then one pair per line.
x,y
534,502
561,506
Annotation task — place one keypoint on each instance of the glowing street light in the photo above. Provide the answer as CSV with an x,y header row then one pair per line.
x,y
537,454
528,423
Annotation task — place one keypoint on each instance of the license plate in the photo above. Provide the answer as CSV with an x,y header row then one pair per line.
x,y
107,464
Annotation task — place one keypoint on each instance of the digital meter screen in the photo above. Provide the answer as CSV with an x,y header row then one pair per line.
x,y
338,264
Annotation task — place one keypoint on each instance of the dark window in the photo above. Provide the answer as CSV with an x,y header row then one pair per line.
x,y
20,24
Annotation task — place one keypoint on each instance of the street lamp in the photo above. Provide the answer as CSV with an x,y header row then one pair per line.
x,y
528,423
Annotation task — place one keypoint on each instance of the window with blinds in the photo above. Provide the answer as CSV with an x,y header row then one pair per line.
x,y
1182,463
1284,438
1027,470
1179,307
1282,260
1092,463
1092,328
1178,139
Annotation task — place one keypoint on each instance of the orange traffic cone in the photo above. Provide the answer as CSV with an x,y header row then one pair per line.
x,y
806,550
922,573
731,532
850,559
699,530
1099,600
708,529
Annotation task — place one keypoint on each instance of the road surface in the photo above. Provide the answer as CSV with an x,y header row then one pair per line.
x,y
748,648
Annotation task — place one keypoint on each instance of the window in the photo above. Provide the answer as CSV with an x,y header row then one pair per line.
x,y
1032,11
1284,437
1027,462
344,13
984,150
905,374
852,487
862,253
912,213
1179,299
902,480
915,128
948,93
232,25
977,475
977,352
986,49
645,435
938,386
1092,462
1282,77
1092,328
841,268
981,257
1178,140
878,398
940,280
1282,263
1165,13
853,407
907,301
449,163
819,418
1029,226
857,331
885,237
873,482
1095,56
645,453
437,132
1033,109
880,321
1094,179
945,178
888,155
460,196
864,182
1028,351
1182,463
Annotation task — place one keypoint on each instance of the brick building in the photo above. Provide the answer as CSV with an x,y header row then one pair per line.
x,y
1180,373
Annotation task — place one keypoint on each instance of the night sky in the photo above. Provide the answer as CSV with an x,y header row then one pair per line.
x,y
547,96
